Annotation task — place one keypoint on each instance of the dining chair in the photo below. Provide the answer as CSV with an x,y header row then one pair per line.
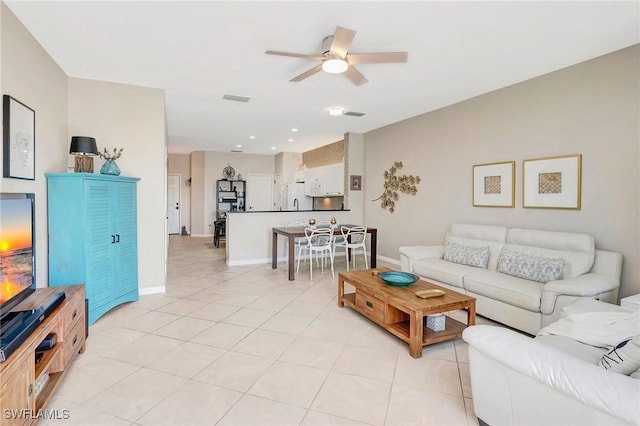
x,y
354,237
319,241
301,243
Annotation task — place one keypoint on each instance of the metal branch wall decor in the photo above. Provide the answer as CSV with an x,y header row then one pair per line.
x,y
393,184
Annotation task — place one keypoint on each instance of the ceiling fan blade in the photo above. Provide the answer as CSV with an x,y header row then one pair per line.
x,y
308,73
295,55
354,76
377,58
342,39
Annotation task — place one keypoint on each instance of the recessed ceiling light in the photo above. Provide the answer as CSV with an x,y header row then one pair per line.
x,y
252,137
273,147
238,146
336,111
294,130
289,140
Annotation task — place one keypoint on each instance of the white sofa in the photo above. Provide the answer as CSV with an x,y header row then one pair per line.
x,y
549,380
524,304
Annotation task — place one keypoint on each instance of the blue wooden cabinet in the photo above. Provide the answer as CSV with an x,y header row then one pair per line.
x,y
93,237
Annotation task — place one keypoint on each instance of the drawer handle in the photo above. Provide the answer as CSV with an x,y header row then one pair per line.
x,y
75,339
75,314
369,304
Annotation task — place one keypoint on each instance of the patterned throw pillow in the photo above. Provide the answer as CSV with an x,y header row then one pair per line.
x,y
624,358
540,269
467,255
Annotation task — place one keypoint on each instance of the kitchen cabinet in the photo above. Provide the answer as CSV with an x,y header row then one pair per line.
x,y
93,237
325,181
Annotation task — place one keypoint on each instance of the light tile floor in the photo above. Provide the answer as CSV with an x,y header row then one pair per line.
x,y
245,346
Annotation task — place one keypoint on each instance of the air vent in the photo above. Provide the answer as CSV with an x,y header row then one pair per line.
x,y
236,150
354,114
236,98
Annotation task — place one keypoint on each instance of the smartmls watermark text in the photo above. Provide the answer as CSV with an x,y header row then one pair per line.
x,y
25,413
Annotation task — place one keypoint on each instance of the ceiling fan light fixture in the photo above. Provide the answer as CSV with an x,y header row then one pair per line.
x,y
335,66
336,111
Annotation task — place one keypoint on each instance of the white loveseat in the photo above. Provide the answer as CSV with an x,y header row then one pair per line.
x,y
552,379
524,304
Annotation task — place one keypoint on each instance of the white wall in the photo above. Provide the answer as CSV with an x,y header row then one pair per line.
x,y
30,75
590,108
133,118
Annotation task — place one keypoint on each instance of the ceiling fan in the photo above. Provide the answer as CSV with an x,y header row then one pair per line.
x,y
336,59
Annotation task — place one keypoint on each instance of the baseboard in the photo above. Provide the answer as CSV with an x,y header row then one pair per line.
x,y
389,260
249,262
151,290
202,235
305,257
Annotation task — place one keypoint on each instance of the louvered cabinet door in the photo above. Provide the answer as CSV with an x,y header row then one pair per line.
x,y
100,241
126,247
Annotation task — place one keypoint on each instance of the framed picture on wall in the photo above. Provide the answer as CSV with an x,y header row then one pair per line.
x,y
552,183
19,139
494,184
356,183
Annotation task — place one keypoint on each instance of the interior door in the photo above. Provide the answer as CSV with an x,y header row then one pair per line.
x,y
173,204
259,193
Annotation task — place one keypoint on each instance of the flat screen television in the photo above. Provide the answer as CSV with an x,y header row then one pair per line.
x,y
17,249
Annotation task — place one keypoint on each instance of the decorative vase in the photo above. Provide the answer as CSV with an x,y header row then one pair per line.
x,y
110,168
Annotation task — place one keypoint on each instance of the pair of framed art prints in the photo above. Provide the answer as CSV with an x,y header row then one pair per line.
x,y
547,183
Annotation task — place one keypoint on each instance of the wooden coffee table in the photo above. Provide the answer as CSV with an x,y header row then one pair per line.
x,y
399,311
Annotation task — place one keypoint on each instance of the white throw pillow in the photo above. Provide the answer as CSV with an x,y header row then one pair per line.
x,y
466,255
534,268
624,358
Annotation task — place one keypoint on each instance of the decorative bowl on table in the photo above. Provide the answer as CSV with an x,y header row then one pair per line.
x,y
398,278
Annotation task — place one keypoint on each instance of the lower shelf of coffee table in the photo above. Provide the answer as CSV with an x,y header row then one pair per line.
x,y
397,322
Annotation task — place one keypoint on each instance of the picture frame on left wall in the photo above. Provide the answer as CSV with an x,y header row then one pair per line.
x,y
19,139
494,184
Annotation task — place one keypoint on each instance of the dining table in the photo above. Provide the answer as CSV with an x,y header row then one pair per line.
x,y
293,232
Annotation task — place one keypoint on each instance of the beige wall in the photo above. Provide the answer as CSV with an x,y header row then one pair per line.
x,y
206,168
30,75
590,108
180,164
354,165
133,118
198,222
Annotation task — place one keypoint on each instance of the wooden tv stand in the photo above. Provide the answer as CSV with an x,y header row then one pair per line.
x,y
20,404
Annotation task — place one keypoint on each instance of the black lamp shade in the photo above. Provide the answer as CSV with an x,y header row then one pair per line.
x,y
83,145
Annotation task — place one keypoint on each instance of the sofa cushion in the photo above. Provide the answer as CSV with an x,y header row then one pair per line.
x,y
623,358
480,236
540,269
442,270
467,255
494,247
515,291
577,250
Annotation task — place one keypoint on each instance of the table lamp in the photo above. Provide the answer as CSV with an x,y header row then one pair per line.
x,y
83,147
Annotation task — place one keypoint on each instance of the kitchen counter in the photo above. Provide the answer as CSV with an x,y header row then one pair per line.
x,y
288,211
249,236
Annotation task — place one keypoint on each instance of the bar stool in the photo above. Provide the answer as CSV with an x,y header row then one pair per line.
x,y
219,231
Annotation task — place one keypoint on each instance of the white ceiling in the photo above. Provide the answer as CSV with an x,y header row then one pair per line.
x,y
199,51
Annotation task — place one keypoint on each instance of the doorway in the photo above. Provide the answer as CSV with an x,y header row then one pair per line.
x,y
173,204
